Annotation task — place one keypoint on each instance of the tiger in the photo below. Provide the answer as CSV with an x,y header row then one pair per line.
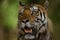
x,y
34,23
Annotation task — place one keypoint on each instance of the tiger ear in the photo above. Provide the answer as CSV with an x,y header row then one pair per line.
x,y
46,4
20,4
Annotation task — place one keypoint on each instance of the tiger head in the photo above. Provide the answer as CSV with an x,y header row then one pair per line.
x,y
30,20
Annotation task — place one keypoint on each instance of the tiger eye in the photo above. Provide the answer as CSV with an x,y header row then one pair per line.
x,y
33,13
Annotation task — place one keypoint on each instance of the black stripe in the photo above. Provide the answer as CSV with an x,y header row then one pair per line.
x,y
41,15
44,16
41,26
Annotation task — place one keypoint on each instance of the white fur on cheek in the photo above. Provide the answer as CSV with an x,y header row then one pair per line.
x,y
42,30
22,25
28,24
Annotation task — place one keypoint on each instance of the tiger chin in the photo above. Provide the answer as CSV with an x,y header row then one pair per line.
x,y
34,23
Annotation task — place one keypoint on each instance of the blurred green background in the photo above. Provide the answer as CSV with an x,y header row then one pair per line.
x,y
9,17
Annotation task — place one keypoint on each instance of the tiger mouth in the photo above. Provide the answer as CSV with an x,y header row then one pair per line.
x,y
28,30
29,33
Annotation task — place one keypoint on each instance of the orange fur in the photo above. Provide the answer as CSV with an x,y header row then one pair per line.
x,y
27,15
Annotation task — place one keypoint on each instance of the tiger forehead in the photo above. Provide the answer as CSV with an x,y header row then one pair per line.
x,y
27,10
27,14
30,10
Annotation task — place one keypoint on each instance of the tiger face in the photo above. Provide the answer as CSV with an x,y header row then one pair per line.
x,y
33,23
31,19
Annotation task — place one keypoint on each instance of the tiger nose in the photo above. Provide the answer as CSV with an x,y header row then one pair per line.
x,y
24,21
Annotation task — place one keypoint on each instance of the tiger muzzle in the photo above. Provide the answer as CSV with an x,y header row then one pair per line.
x,y
30,33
